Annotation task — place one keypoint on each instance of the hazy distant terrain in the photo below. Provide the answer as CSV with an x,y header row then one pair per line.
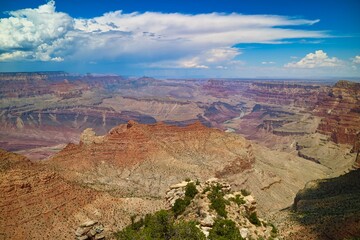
x,y
47,109
270,137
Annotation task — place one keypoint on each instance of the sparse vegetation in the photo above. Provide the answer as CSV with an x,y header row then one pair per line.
x,y
238,200
224,229
206,190
190,190
218,203
161,225
253,218
181,204
274,230
187,231
245,192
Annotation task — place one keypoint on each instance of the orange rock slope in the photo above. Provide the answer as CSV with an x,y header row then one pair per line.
x,y
37,203
132,157
33,199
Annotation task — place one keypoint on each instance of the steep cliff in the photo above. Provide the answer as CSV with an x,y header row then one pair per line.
x,y
285,93
340,112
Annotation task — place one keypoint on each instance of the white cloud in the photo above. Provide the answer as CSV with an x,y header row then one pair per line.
x,y
211,58
265,63
15,55
221,67
356,59
32,33
180,40
316,60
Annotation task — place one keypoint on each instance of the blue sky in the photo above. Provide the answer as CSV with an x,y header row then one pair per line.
x,y
213,38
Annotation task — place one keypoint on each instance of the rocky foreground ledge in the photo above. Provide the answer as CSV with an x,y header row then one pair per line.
x,y
202,211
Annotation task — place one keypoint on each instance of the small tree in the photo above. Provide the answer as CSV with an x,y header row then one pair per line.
x,y
224,229
238,200
218,203
190,190
253,218
187,231
180,206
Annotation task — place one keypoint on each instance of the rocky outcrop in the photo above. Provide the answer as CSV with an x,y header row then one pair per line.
x,y
89,137
90,230
240,207
10,160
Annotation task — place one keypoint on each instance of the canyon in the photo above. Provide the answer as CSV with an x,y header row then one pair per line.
x,y
102,148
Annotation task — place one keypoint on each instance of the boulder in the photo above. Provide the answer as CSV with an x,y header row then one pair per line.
x,y
100,236
82,237
208,221
244,232
88,223
81,231
179,185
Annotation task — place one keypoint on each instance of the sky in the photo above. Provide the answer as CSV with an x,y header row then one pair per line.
x,y
183,39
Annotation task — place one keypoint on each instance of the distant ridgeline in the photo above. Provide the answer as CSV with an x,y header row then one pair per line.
x,y
32,75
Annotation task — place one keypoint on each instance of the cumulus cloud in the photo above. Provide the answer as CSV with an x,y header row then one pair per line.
x,y
33,33
356,59
183,40
316,60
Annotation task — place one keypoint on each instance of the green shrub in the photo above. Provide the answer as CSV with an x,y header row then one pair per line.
x,y
238,200
218,203
253,218
197,182
274,230
137,225
190,190
161,226
180,206
245,192
187,231
206,190
224,229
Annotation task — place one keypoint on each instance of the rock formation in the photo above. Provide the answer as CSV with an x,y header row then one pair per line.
x,y
136,156
90,230
143,160
340,112
284,93
37,203
238,208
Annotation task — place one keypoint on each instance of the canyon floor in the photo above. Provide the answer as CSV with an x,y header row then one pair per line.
x,y
106,147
